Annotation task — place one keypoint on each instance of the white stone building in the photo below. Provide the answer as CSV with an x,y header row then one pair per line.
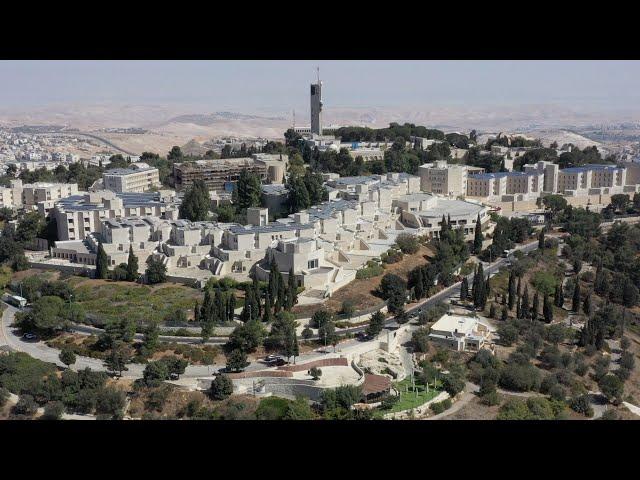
x,y
131,180
459,333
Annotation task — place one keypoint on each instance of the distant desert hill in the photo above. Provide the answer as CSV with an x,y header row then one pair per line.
x,y
193,147
169,125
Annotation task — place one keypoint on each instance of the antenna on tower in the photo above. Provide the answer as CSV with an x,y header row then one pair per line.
x,y
318,73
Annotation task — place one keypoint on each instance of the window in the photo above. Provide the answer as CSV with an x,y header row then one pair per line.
x,y
312,264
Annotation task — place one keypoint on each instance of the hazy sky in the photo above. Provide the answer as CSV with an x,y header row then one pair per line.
x,y
283,85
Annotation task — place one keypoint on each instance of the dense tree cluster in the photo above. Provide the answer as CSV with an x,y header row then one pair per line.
x,y
395,130
451,252
196,202
506,233
39,385
305,190
586,156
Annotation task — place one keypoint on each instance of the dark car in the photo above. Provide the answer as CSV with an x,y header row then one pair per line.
x,y
30,336
362,336
274,360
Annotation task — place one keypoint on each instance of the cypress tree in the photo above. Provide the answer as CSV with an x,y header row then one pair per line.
x,y
561,292
474,286
102,266
274,275
427,279
132,265
267,317
257,292
464,289
547,310
477,239
504,315
487,289
541,239
576,296
231,306
524,307
535,306
221,307
512,290
419,281
250,310
281,299
600,284
292,291
492,310
519,289
196,312
519,307
206,312
586,306
480,295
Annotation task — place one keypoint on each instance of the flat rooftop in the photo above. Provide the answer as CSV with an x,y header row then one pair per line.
x,y
586,168
78,202
453,323
220,163
122,172
454,208
272,227
77,245
327,209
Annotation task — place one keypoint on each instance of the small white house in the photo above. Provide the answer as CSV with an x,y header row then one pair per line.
x,y
459,332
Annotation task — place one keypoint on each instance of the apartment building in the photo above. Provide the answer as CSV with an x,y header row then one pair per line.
x,y
443,179
496,186
549,170
29,195
131,180
592,179
217,174
78,216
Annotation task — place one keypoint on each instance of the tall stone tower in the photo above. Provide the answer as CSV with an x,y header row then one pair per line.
x,y
316,106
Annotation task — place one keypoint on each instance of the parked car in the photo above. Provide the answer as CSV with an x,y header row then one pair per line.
x,y
276,360
30,336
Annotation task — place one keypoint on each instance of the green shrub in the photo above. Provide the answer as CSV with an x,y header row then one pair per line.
x,y
26,406
581,405
490,399
439,407
53,411
4,396
21,373
520,378
372,269
272,408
